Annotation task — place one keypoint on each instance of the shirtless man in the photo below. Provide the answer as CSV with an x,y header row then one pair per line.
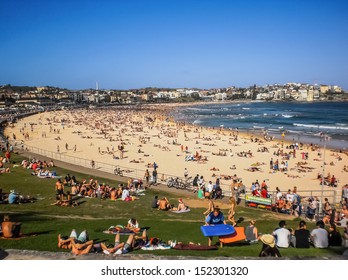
x,y
163,204
10,229
60,189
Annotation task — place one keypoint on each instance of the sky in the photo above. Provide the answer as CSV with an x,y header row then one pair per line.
x,y
176,44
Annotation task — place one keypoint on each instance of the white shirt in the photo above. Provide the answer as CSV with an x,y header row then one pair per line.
x,y
320,238
125,193
283,237
289,197
136,225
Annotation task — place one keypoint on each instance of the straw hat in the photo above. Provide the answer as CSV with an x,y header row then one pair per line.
x,y
268,239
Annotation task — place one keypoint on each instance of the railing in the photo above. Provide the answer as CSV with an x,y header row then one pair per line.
x,y
334,195
101,166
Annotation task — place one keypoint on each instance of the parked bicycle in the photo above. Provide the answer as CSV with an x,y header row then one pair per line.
x,y
118,171
176,182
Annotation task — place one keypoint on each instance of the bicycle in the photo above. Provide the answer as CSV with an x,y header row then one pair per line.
x,y
118,171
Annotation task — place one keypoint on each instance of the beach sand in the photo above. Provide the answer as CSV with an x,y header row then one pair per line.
x,y
149,134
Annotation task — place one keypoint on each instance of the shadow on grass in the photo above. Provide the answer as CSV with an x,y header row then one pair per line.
x,y
27,217
236,244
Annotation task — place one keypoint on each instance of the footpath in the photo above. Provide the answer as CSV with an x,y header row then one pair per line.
x,y
89,171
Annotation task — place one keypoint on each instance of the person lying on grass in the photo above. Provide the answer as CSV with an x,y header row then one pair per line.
x,y
132,242
79,245
65,242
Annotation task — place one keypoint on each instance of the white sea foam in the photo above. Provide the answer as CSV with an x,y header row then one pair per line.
x,y
320,126
287,116
197,121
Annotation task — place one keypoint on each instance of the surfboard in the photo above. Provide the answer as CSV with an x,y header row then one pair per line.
x,y
217,230
239,235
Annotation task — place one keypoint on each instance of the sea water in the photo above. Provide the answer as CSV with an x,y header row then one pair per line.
x,y
321,123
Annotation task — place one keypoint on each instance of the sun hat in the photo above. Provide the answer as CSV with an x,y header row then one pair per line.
x,y
268,239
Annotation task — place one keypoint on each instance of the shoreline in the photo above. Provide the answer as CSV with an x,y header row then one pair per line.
x,y
159,133
307,136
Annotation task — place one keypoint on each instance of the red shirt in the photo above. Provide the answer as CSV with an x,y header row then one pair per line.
x,y
264,193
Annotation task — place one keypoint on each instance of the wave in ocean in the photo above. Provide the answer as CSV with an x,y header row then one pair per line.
x,y
320,126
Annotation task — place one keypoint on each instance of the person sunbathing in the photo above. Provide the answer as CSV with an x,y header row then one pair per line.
x,y
132,242
181,206
66,242
81,248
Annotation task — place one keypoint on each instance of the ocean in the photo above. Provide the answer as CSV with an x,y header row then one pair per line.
x,y
316,122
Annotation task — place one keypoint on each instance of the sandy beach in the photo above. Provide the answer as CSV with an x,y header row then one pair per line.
x,y
149,135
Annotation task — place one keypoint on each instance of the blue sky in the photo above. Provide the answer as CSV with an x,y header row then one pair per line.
x,y
203,43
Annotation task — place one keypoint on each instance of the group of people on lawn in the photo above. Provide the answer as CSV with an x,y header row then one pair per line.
x,y
92,188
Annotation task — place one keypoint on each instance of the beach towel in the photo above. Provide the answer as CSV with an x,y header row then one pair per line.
x,y
194,247
181,211
239,235
49,177
156,247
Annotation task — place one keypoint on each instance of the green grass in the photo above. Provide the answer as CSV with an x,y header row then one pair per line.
x,y
97,215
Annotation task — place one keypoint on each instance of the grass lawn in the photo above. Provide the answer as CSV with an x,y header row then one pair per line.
x,y
96,215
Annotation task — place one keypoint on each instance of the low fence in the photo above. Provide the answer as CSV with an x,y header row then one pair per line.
x,y
101,166
334,195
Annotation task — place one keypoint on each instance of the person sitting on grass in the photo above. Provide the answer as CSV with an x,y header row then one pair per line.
x,y
154,203
251,232
10,229
132,242
164,204
282,235
335,238
133,225
302,236
320,236
181,206
269,248
13,197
